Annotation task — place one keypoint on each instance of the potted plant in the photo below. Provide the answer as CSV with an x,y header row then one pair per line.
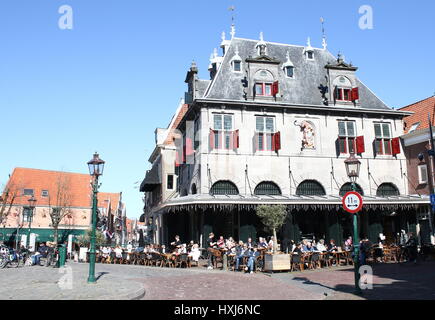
x,y
273,217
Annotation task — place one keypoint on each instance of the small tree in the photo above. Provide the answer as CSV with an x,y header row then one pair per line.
x,y
7,200
60,203
84,240
273,217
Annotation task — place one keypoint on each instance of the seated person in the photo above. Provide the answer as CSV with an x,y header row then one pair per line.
x,y
177,243
240,253
348,244
190,245
332,247
252,254
298,249
262,243
270,244
221,242
195,253
320,246
230,244
250,244
118,252
309,247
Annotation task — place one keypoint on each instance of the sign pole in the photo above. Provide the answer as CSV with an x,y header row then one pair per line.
x,y
352,203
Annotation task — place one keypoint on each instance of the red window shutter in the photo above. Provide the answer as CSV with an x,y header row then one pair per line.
x,y
277,141
360,147
275,88
355,94
395,146
236,139
189,147
211,139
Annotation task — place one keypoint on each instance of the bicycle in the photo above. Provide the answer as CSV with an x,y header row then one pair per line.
x,y
9,257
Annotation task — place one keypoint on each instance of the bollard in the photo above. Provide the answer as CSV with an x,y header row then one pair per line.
x,y
62,256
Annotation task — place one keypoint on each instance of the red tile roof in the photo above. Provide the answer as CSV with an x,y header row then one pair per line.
x,y
421,109
172,133
106,198
38,180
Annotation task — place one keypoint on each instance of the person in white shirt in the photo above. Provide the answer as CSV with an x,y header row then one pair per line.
x,y
270,244
129,247
195,253
321,246
118,252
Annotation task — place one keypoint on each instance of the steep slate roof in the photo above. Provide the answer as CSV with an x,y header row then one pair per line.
x,y
303,89
421,109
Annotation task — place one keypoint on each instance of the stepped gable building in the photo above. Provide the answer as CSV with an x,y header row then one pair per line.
x,y
273,125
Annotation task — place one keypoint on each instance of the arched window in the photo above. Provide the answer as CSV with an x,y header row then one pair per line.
x,y
387,190
267,188
310,188
345,188
224,188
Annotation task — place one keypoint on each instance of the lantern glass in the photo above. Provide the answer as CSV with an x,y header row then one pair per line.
x,y
352,167
96,166
32,202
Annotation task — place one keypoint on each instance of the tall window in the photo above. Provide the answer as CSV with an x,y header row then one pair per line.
x,y
422,174
383,138
263,89
223,131
170,182
27,214
265,128
345,188
346,136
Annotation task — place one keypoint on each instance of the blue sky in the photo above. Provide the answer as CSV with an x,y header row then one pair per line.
x,y
119,73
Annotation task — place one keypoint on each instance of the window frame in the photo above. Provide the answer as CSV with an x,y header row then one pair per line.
x,y
167,181
221,135
382,140
46,195
420,175
339,94
264,135
239,64
263,89
288,68
347,138
27,194
27,213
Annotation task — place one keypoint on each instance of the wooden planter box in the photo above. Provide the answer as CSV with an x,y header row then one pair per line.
x,y
276,262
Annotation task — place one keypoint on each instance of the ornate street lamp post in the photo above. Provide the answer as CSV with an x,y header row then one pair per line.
x,y
352,169
96,167
32,202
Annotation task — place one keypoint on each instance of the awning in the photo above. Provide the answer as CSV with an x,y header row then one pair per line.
x,y
42,235
242,202
152,179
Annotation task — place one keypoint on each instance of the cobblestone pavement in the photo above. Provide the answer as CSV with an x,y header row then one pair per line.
x,y
391,281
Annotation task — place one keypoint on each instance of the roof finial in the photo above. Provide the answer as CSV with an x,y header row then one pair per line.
x,y
223,36
233,28
309,42
237,50
324,44
261,36
233,31
215,53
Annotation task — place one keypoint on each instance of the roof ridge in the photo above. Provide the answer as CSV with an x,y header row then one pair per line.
x,y
412,104
57,171
277,43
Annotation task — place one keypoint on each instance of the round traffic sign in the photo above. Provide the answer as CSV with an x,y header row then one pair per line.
x,y
352,202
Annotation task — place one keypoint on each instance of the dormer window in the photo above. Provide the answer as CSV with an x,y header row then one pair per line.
x,y
309,51
236,61
342,94
289,71
237,66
